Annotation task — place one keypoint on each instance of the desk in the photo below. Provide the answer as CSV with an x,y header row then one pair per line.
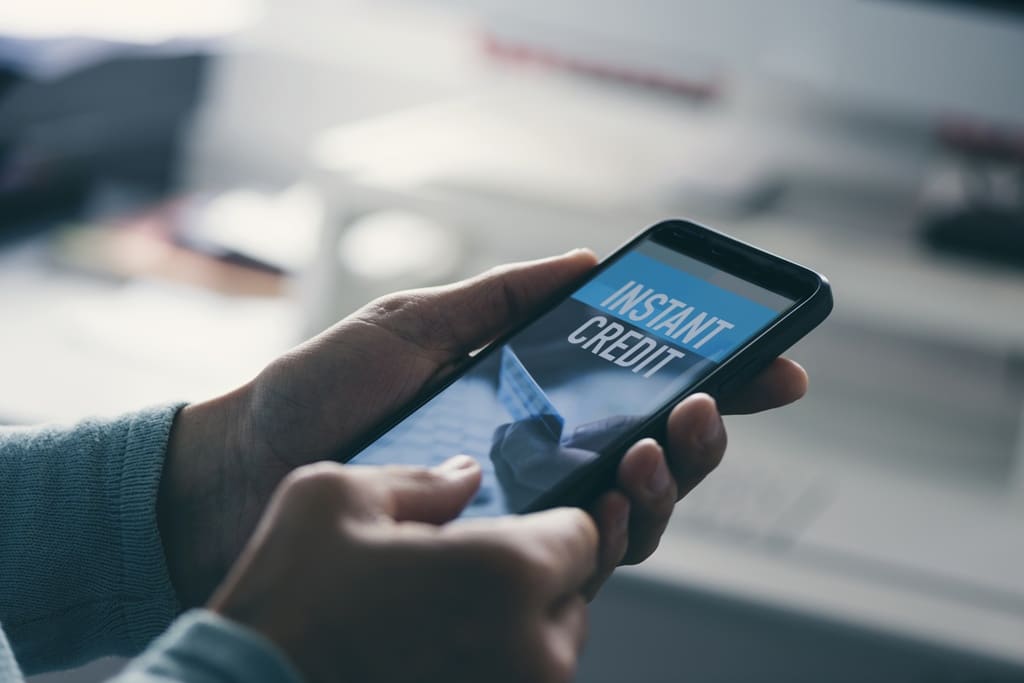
x,y
67,333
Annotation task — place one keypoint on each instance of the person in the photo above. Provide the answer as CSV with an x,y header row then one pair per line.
x,y
290,567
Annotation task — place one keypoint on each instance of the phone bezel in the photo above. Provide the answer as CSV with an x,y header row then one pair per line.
x,y
737,258
812,303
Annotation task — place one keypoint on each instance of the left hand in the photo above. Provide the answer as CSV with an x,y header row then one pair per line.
x,y
227,455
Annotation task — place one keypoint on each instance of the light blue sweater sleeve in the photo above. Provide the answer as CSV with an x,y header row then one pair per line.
x,y
202,647
82,568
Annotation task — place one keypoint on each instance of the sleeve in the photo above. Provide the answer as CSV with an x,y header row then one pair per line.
x,y
82,569
202,647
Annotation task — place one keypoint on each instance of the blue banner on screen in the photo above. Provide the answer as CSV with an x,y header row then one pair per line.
x,y
679,308
582,375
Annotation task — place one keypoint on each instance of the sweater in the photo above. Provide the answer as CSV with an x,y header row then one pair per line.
x,y
82,567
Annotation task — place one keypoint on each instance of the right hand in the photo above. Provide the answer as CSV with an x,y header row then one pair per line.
x,y
350,574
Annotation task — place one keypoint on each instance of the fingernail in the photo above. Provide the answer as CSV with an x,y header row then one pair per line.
x,y
456,466
660,479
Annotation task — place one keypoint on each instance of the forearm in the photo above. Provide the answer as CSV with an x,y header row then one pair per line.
x,y
202,647
82,570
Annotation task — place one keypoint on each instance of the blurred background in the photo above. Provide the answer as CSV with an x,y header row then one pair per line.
x,y
189,188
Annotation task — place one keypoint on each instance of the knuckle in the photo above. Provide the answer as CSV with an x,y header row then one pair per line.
x,y
661,508
698,458
535,569
560,668
501,571
318,483
506,296
499,290
508,567
384,307
418,475
558,660
584,525
395,480
581,536
415,316
710,448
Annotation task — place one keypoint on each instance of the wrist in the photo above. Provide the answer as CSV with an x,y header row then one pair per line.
x,y
195,498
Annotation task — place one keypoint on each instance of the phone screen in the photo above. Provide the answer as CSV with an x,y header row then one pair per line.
x,y
544,404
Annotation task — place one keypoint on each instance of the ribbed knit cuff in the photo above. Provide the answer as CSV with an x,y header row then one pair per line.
x,y
203,647
82,568
150,603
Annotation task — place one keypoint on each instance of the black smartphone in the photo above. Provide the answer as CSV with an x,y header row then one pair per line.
x,y
549,409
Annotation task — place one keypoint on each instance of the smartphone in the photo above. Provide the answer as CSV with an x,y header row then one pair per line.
x,y
549,409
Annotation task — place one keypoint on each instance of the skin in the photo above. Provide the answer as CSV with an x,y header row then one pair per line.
x,y
227,455
354,576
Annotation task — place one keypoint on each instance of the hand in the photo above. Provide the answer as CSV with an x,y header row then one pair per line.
x,y
652,478
227,455
348,574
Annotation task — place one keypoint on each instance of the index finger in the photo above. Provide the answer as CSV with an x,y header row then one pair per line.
x,y
782,382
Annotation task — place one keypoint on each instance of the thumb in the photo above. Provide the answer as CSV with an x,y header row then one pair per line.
x,y
417,494
452,320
